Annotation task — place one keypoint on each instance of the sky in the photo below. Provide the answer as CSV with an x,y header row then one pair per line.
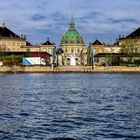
x,y
104,20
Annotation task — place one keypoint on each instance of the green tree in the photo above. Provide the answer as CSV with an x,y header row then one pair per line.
x,y
28,52
129,50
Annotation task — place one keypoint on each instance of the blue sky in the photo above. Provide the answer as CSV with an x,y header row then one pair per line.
x,y
102,19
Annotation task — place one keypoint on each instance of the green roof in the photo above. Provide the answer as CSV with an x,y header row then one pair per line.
x,y
72,36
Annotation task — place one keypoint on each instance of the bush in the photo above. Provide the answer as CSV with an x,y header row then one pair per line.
x,y
10,62
123,64
137,61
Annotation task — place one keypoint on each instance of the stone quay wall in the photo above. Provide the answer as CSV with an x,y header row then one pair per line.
x,y
63,69
27,69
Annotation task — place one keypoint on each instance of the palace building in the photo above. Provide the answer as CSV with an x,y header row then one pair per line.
x,y
11,43
72,44
133,38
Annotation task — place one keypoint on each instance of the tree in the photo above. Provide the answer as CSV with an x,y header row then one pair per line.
x,y
28,52
59,52
129,49
1,49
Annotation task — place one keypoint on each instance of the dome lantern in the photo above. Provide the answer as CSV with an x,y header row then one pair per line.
x,y
72,25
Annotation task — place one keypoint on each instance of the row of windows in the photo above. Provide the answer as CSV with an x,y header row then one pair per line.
x,y
12,44
48,50
72,41
10,49
135,43
72,50
99,50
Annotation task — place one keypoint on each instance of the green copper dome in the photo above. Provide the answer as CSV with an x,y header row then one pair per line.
x,y
72,36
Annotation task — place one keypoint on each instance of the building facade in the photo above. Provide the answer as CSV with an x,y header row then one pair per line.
x,y
94,49
132,39
10,42
72,44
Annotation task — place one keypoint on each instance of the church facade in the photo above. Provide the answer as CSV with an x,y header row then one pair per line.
x,y
73,47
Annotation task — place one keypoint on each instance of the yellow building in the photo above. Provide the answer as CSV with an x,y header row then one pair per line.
x,y
48,47
132,39
98,46
94,49
10,42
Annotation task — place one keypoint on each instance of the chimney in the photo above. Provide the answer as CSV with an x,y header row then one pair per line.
x,y
3,24
25,37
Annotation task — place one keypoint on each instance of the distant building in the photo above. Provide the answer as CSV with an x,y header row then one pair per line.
x,y
98,46
50,48
103,53
72,44
94,49
133,38
10,42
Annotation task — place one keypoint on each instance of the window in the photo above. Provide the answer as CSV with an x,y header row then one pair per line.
x,y
18,44
8,43
106,51
23,44
13,43
44,50
72,50
100,50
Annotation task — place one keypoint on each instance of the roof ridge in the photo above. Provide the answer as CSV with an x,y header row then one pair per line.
x,y
134,34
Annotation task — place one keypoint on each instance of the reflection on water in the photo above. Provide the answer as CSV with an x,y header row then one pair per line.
x,y
70,106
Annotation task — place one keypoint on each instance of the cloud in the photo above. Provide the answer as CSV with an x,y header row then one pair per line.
x,y
93,18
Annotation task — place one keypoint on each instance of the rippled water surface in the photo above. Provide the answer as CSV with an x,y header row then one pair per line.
x,y
70,106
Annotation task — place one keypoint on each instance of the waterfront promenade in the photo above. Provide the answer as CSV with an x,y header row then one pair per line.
x,y
82,69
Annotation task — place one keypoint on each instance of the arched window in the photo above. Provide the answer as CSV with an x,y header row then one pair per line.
x,y
100,50
72,50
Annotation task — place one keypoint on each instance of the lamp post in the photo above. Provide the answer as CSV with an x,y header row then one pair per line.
x,y
93,67
59,52
93,53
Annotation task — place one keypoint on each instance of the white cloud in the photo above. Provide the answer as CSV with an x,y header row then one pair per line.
x,y
92,17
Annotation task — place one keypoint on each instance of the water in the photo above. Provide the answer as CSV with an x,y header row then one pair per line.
x,y
70,106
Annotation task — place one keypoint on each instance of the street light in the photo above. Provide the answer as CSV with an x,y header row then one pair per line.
x,y
59,52
93,53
